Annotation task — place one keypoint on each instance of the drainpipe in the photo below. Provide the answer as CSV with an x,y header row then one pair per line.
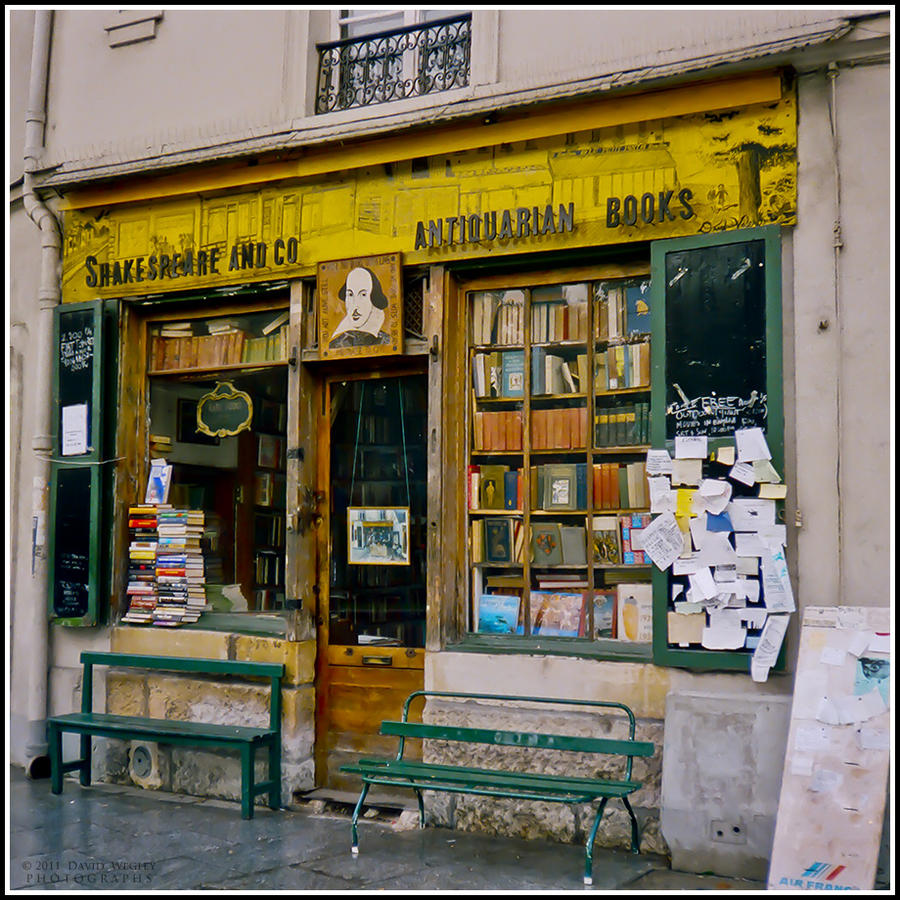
x,y
37,634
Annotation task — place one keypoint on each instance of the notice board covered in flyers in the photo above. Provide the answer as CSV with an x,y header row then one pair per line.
x,y
828,828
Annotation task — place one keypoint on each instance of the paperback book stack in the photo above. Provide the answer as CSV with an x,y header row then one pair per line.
x,y
141,590
179,567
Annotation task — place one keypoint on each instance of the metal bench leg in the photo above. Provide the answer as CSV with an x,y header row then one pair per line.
x,y
84,775
421,808
589,847
635,840
275,773
54,742
247,759
354,837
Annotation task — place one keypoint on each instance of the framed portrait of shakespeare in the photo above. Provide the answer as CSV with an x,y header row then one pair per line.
x,y
360,307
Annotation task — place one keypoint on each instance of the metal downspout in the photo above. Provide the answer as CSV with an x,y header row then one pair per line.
x,y
37,628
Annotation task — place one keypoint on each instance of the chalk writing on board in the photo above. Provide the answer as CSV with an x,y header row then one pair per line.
x,y
76,349
717,416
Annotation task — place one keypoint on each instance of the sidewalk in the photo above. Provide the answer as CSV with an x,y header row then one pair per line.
x,y
117,838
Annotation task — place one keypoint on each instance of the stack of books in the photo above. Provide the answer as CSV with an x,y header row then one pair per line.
x,y
141,589
179,567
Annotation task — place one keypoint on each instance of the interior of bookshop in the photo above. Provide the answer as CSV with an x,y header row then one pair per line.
x,y
209,533
557,485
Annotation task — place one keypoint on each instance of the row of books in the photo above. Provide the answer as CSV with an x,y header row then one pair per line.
x,y
621,485
209,351
498,317
501,373
620,366
559,428
559,320
166,576
624,612
622,310
623,425
616,541
269,567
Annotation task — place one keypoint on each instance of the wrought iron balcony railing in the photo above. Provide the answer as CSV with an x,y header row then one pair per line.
x,y
394,65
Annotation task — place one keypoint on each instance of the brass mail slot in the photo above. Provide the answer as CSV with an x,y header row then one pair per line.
x,y
377,660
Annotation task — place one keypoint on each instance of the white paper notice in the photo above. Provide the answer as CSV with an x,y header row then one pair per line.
x,y
717,550
742,472
850,708
687,471
825,781
773,536
833,656
879,643
685,565
663,541
859,643
74,429
746,543
751,513
751,444
691,447
659,462
724,636
716,494
748,588
766,652
802,765
662,497
776,582
871,738
702,584
811,737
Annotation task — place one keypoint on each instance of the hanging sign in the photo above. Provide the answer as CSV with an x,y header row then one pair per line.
x,y
224,411
378,535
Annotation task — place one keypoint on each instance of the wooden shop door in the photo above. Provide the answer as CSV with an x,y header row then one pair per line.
x,y
371,577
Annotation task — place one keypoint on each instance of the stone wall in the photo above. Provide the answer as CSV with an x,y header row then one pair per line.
x,y
567,823
223,700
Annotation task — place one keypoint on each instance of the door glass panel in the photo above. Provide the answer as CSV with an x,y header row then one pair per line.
x,y
378,473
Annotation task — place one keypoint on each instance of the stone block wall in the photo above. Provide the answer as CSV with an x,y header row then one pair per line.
x,y
223,700
567,823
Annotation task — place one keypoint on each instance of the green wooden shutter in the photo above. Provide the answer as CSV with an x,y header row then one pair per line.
x,y
80,476
716,332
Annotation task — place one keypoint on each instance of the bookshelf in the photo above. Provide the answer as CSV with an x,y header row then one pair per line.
x,y
219,343
269,504
558,427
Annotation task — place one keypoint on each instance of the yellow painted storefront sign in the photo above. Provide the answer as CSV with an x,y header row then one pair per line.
x,y
659,178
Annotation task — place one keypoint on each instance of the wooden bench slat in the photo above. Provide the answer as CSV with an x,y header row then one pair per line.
x,y
468,775
160,728
535,740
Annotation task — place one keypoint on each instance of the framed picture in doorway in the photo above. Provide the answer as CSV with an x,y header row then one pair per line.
x,y
378,535
360,306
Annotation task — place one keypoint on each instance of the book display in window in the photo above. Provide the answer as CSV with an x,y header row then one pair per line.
x,y
215,343
558,425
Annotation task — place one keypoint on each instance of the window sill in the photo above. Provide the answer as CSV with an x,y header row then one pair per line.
x,y
273,624
610,650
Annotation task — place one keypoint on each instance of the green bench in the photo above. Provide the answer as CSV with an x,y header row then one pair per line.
x,y
169,731
498,782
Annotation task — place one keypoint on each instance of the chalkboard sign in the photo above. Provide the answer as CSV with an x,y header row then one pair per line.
x,y
76,330
715,337
71,585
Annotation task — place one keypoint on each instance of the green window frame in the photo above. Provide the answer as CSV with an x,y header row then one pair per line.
x,y
769,238
84,368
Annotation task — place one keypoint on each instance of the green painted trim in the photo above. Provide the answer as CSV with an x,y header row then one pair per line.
x,y
577,647
183,664
260,624
700,659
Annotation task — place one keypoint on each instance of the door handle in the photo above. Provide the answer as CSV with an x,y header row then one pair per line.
x,y
377,661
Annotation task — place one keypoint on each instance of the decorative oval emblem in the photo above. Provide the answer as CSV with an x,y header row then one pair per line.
x,y
224,411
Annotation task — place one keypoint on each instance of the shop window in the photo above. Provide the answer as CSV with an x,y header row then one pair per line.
x,y
218,396
558,429
385,55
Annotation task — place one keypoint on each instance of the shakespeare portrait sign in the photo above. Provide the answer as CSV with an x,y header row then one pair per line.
x,y
360,307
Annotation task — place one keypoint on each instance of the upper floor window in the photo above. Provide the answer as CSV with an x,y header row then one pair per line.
x,y
385,55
